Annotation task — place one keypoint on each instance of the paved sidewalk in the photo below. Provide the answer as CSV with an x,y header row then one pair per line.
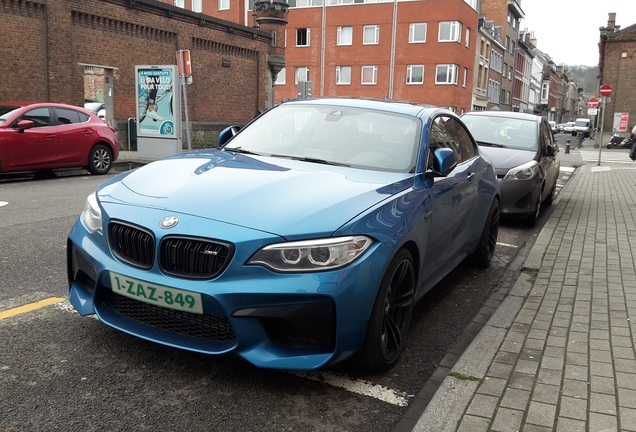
x,y
558,354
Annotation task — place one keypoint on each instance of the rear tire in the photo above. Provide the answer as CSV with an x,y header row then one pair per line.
x,y
486,249
390,317
100,160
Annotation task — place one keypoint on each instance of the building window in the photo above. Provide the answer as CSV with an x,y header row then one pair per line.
x,y
450,31
371,35
417,32
302,74
307,3
337,2
343,75
465,77
545,91
467,37
197,6
472,3
369,75
415,74
179,3
280,78
446,74
224,4
302,37
345,35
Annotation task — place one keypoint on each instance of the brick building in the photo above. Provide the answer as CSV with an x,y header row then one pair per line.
x,y
56,50
420,50
617,67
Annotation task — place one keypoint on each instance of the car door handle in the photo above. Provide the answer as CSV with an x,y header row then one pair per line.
x,y
470,176
50,137
88,132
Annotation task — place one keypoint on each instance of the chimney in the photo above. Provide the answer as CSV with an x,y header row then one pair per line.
x,y
611,22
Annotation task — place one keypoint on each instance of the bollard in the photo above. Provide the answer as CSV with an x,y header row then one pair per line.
x,y
567,146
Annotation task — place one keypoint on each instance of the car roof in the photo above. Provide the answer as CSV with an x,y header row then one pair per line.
x,y
505,114
400,107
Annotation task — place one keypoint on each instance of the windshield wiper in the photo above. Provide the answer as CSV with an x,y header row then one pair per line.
x,y
240,150
319,161
489,144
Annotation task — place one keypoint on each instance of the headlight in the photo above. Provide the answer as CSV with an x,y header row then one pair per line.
x,y
312,255
92,214
523,172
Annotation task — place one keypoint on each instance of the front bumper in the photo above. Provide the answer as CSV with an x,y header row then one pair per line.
x,y
519,197
284,321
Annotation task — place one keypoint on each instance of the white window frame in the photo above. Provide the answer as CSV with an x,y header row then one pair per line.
x,y
224,4
197,6
340,80
451,74
454,30
374,72
308,37
342,33
409,74
281,78
179,3
467,37
371,28
465,77
298,70
412,32
338,2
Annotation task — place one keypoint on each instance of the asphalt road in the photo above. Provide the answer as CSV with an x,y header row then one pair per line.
x,y
60,371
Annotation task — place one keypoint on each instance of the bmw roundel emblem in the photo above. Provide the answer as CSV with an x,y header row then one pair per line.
x,y
169,222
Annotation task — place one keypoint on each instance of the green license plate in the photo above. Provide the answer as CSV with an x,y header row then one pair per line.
x,y
159,295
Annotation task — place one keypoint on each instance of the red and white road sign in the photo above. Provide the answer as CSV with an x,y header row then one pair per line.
x,y
606,90
593,102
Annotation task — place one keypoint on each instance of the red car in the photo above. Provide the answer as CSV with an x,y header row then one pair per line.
x,y
44,136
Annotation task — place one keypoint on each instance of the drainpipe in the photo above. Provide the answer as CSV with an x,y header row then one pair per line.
x,y
322,48
392,60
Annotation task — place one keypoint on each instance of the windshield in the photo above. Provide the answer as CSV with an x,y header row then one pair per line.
x,y
6,112
334,135
583,123
514,133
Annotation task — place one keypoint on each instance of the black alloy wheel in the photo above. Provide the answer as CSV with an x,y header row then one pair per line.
x,y
391,315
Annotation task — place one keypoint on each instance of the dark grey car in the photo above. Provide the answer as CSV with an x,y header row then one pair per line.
x,y
525,156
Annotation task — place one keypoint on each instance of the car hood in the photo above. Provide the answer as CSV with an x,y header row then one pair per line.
x,y
503,159
279,196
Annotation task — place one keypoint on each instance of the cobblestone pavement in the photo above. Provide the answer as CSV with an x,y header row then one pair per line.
x,y
558,353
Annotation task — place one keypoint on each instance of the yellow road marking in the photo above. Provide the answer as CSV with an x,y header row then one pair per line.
x,y
30,307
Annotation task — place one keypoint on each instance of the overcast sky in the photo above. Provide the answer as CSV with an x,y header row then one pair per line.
x,y
567,30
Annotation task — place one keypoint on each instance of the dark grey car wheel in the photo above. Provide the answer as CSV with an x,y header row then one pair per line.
x,y
391,315
100,160
486,249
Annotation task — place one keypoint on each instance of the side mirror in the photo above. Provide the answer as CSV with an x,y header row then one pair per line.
x,y
25,124
444,161
227,134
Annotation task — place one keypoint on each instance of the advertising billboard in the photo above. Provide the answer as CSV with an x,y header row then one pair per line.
x,y
157,96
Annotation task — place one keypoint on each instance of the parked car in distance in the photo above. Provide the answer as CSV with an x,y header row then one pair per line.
x,y
582,125
46,136
98,108
525,157
304,239
553,126
568,127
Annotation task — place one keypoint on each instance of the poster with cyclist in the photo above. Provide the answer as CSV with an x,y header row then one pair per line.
x,y
156,101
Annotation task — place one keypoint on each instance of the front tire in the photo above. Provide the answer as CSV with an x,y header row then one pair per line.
x,y
390,317
486,249
100,160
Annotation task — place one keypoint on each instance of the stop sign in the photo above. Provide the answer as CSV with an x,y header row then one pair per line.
x,y
606,90
593,102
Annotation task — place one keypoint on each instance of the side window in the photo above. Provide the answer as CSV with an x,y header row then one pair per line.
x,y
67,116
546,134
39,116
447,132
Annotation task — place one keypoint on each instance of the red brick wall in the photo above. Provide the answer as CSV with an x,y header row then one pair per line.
x,y
23,65
428,54
121,34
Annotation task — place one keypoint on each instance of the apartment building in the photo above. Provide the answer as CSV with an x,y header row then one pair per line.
x,y
417,50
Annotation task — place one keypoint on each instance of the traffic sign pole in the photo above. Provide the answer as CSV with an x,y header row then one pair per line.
x,y
605,91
